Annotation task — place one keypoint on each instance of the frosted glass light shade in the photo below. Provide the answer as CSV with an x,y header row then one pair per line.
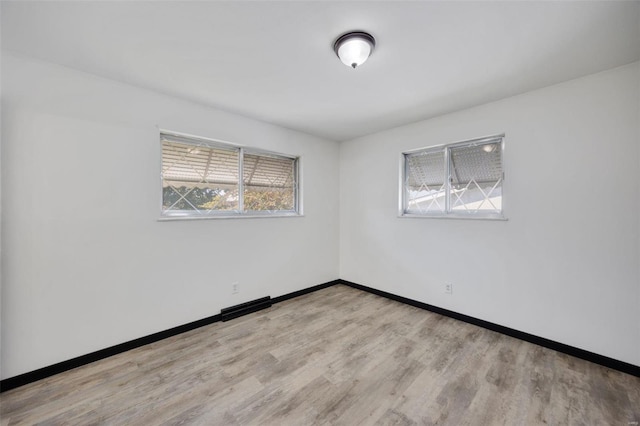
x,y
354,48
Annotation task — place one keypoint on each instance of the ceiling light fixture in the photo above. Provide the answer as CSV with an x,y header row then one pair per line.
x,y
354,48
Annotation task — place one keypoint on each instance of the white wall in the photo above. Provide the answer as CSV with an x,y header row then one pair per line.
x,y
86,264
565,264
91,267
0,217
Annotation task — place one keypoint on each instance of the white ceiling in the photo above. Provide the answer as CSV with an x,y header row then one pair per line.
x,y
274,60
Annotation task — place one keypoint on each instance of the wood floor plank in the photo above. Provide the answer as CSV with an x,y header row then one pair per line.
x,y
337,356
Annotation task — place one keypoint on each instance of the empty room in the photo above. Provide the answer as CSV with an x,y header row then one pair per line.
x,y
320,212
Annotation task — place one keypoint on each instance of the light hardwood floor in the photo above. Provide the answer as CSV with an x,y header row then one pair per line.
x,y
336,356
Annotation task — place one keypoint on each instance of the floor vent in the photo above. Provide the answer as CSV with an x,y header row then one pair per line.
x,y
232,312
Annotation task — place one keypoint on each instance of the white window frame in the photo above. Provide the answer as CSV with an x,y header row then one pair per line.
x,y
239,213
448,213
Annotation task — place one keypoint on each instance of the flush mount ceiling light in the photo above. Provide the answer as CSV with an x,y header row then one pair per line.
x,y
354,48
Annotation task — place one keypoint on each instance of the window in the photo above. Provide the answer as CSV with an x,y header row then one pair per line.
x,y
201,178
460,180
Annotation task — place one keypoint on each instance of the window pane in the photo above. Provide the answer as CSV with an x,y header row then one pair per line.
x,y
198,178
476,177
424,182
269,182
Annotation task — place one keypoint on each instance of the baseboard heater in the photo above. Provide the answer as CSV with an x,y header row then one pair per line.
x,y
232,312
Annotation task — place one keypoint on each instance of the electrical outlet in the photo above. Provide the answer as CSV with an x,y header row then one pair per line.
x,y
448,288
234,288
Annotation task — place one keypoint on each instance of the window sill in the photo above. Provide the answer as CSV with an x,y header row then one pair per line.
x,y
453,216
230,216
